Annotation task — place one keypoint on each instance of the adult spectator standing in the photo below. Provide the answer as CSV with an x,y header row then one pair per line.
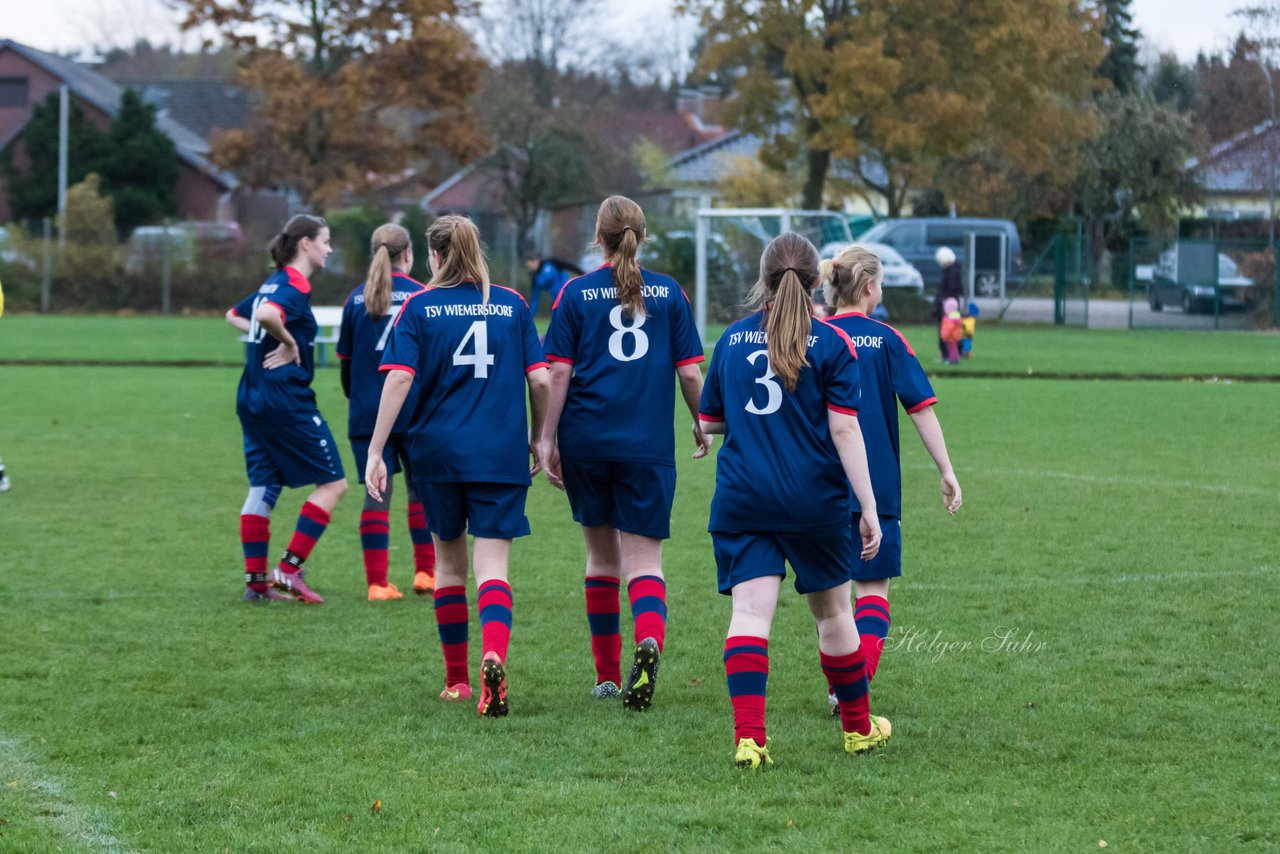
x,y
949,286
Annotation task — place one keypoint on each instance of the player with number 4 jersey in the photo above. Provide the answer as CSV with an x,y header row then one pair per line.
x,y
286,440
468,350
366,327
616,336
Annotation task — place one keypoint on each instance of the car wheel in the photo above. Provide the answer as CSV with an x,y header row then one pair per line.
x,y
1153,299
1188,304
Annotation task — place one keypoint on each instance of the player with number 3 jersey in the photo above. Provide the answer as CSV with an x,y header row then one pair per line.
x,y
286,440
616,336
467,349
784,388
366,327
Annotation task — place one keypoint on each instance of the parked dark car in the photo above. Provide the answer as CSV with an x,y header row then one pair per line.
x,y
1184,275
917,240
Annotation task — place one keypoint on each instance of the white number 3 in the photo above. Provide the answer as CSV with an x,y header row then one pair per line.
x,y
774,403
480,358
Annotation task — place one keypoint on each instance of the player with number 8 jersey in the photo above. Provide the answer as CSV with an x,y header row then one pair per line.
x,y
468,349
616,336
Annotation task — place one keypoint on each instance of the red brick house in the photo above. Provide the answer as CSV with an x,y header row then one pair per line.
x,y
27,76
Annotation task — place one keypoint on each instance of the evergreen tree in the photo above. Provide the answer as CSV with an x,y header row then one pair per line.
x,y
140,166
1120,65
33,190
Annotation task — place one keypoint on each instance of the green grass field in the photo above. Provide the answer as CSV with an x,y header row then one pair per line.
x,y
1120,537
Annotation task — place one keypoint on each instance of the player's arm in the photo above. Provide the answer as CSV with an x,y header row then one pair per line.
x,y
691,389
394,391
557,392
241,323
926,421
847,436
539,383
271,318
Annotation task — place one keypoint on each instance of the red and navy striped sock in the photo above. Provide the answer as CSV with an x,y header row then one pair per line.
x,y
746,664
451,623
312,522
375,538
648,595
255,537
871,616
495,618
847,676
603,611
424,550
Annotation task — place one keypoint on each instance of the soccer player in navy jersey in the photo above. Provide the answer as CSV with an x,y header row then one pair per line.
x,y
616,336
286,439
890,372
362,339
784,389
467,350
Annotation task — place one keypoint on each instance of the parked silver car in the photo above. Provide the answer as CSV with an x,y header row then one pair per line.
x,y
1184,276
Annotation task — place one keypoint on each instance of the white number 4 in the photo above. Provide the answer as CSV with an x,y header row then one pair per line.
x,y
480,357
774,403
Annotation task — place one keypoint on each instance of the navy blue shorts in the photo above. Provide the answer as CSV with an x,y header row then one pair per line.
x,y
631,497
395,454
491,510
888,561
294,453
820,559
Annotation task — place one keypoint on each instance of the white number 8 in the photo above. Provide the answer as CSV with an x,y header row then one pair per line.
x,y
774,403
615,340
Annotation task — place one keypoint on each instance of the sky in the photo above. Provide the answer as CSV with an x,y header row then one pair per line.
x,y
1182,26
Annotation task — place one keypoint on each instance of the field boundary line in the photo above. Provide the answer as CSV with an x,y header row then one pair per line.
x,y
1110,480
119,363
1083,580
82,827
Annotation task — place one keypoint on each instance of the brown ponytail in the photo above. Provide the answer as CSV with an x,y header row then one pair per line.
x,y
620,230
846,278
388,245
456,240
788,275
284,246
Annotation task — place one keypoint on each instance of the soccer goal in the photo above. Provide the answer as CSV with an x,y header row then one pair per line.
x,y
729,242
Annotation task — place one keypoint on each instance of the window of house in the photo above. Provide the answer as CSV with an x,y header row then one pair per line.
x,y
13,91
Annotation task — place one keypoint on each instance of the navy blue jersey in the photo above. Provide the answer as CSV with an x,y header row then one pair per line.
x,y
890,372
778,469
362,339
623,390
284,393
468,362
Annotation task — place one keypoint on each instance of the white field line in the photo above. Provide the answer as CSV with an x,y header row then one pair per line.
x,y
83,828
1113,480
1103,577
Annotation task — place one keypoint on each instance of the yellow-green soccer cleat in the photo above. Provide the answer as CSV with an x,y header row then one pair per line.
x,y
752,755
856,742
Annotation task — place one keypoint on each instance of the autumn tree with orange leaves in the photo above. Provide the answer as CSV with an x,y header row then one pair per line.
x,y
348,91
965,96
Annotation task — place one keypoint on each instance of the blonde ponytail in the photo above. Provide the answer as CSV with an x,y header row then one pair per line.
x,y
456,240
788,274
620,230
388,245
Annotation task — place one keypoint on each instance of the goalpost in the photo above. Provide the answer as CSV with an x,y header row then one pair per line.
x,y
729,242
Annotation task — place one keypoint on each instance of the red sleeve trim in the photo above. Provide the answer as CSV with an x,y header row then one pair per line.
x,y
531,368
702,416
842,410
284,318
382,369
922,405
344,357
691,361
561,359
232,310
